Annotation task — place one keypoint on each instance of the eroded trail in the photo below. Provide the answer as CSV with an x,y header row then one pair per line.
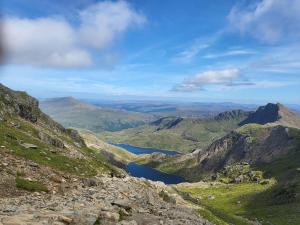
x,y
101,200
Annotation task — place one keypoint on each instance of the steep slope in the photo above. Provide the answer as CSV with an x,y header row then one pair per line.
x,y
176,133
117,156
29,133
273,113
49,176
254,144
272,201
71,112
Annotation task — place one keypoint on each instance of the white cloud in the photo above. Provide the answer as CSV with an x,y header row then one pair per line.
x,y
102,23
54,42
282,59
237,52
268,20
188,54
226,77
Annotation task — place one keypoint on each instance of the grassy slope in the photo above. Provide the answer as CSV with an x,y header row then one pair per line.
x,y
73,113
48,155
186,136
256,201
95,143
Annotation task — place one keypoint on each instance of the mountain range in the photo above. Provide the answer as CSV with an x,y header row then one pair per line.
x,y
71,112
177,133
51,175
244,166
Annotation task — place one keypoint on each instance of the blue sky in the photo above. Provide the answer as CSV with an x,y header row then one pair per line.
x,y
195,50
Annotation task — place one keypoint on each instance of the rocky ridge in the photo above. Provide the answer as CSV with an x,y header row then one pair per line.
x,y
49,175
98,200
273,113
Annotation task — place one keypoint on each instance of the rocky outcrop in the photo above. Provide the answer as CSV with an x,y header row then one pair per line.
x,y
76,137
273,113
51,140
166,122
254,145
19,103
234,114
108,201
16,103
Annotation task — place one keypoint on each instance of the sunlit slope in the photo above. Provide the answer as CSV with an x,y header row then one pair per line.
x,y
71,112
180,134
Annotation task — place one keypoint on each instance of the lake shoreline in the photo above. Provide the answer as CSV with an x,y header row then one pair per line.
x,y
136,146
141,150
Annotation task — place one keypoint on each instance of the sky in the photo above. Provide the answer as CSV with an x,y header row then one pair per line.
x,y
195,50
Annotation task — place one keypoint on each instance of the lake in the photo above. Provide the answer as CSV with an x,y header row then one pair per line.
x,y
139,151
147,172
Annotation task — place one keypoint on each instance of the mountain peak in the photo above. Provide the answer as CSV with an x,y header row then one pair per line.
x,y
273,113
233,114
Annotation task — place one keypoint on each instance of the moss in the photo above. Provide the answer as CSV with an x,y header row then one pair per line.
x,y
208,215
20,174
97,222
30,185
123,215
166,197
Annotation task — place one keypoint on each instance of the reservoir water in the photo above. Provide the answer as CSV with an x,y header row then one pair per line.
x,y
138,150
147,172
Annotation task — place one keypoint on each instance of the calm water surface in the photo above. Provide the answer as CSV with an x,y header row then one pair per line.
x,y
147,172
138,150
137,170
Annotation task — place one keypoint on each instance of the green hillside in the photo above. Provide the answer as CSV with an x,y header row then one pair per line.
x,y
180,134
276,202
28,133
71,112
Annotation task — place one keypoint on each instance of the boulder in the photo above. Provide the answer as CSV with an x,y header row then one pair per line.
x,y
28,145
51,140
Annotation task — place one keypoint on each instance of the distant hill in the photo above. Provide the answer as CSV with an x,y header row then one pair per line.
x,y
266,135
258,145
176,133
71,112
273,113
177,109
29,134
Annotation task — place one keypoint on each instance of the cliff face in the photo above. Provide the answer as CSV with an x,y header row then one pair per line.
x,y
273,113
234,114
252,144
16,104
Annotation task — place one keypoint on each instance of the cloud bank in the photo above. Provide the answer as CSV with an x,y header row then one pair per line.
x,y
226,77
55,42
269,21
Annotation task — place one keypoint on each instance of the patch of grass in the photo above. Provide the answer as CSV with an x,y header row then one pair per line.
x,y
208,215
20,174
165,196
97,222
88,166
30,185
229,202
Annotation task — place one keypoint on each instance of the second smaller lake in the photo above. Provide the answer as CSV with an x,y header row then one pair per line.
x,y
137,170
139,151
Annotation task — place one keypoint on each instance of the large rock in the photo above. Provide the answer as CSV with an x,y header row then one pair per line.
x,y
51,140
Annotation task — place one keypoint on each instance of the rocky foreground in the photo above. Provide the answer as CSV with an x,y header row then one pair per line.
x,y
101,200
